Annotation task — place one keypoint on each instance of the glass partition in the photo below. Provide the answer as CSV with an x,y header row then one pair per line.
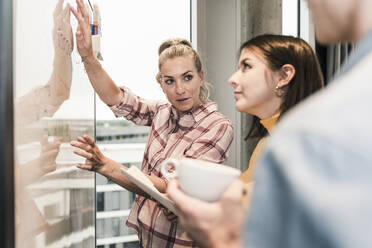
x,y
53,104
56,204
131,34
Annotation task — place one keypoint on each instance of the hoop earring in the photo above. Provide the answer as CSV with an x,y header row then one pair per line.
x,y
279,92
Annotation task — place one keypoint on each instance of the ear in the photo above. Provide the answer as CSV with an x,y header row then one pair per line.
x,y
201,75
287,72
158,78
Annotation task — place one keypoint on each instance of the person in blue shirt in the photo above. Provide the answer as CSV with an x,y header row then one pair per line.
x,y
313,182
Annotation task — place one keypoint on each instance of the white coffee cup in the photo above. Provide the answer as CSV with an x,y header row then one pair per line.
x,y
200,179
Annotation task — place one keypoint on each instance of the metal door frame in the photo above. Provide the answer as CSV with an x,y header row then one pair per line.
x,y
7,230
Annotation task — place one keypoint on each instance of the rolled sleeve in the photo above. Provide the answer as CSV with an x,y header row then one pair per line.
x,y
136,109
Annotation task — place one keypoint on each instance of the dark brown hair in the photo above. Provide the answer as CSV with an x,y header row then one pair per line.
x,y
278,50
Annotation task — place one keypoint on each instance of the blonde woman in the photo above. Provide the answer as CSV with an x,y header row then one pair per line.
x,y
187,125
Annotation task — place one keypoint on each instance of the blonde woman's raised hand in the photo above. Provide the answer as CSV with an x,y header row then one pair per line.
x,y
83,32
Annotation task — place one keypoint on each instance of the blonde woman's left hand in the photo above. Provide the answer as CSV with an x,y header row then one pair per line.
x,y
83,32
95,160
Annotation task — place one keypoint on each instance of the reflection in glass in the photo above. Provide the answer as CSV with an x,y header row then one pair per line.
x,y
54,201
55,104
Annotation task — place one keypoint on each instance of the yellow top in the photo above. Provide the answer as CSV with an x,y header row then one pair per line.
x,y
247,175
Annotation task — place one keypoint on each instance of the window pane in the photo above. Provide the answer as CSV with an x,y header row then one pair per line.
x,y
131,34
100,201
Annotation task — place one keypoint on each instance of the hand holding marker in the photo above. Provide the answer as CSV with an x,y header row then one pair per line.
x,y
95,26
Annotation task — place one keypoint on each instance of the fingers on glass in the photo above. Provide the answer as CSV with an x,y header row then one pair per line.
x,y
89,140
84,146
81,139
83,153
85,166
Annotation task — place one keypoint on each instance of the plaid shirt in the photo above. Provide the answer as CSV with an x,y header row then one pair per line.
x,y
203,133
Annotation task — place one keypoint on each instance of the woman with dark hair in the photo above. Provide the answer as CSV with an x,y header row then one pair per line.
x,y
275,73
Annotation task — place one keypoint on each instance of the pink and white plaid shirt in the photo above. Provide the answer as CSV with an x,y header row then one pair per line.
x,y
203,133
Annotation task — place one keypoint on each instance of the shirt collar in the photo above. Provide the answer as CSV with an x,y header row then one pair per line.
x,y
363,47
193,116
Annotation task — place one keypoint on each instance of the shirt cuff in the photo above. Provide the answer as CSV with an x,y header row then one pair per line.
x,y
123,99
